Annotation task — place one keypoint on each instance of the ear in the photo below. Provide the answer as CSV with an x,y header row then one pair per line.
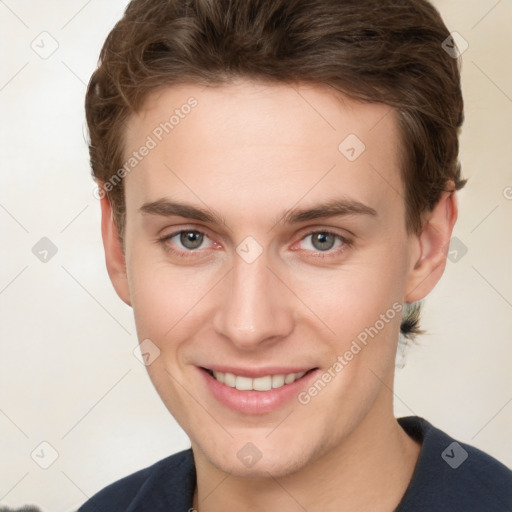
x,y
114,255
429,248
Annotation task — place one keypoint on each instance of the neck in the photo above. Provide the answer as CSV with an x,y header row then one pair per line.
x,y
369,470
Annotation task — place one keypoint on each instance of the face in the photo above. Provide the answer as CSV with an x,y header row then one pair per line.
x,y
266,249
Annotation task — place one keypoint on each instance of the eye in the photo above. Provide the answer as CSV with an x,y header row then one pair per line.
x,y
325,242
322,241
183,242
191,239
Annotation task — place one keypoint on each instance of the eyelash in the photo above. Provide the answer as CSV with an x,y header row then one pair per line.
x,y
191,253
330,253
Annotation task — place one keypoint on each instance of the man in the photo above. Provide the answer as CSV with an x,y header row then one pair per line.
x,y
278,189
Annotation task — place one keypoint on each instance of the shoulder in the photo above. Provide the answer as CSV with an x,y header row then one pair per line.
x,y
168,482
452,475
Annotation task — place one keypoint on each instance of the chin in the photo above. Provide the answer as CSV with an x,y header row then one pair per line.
x,y
276,463
260,456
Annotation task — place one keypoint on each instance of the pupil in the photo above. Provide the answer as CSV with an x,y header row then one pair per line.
x,y
191,239
323,241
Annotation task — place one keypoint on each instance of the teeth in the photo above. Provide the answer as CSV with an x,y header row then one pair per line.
x,y
262,383
219,376
243,383
289,378
277,381
259,384
229,379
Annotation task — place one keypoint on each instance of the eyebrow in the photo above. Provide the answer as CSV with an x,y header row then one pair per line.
x,y
166,208
332,208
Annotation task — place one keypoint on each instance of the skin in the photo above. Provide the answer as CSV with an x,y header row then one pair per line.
x,y
250,152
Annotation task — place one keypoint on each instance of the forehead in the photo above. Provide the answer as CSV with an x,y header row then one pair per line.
x,y
259,145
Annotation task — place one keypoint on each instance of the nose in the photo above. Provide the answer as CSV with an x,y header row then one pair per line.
x,y
254,306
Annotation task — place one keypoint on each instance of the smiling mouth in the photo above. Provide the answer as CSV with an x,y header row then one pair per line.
x,y
264,383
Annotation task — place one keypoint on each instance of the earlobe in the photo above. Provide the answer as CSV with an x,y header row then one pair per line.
x,y
114,255
430,248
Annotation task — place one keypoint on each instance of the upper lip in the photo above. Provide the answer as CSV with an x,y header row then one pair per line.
x,y
254,373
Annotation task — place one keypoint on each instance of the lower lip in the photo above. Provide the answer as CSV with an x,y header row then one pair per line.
x,y
256,402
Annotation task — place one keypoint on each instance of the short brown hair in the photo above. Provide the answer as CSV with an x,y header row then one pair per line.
x,y
384,51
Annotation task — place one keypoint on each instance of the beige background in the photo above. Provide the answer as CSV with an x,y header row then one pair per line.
x,y
68,374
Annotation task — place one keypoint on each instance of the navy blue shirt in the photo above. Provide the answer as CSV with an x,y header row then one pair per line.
x,y
449,476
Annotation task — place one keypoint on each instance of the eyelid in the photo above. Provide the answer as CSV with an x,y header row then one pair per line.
x,y
324,229
165,238
192,255
346,241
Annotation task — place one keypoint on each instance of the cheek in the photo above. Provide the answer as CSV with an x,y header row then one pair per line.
x,y
157,294
154,303
166,299
162,301
348,299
